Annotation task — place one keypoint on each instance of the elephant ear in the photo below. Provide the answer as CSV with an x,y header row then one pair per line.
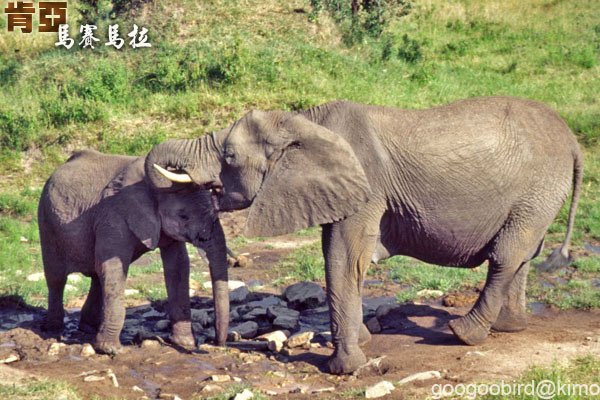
x,y
316,179
131,199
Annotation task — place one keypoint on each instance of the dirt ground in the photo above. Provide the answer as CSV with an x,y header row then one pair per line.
x,y
420,341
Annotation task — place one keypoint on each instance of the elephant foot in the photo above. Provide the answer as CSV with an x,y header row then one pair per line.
x,y
346,361
53,326
468,330
510,322
182,335
104,346
364,336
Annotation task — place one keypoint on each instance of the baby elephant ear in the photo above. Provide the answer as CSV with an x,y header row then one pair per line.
x,y
317,179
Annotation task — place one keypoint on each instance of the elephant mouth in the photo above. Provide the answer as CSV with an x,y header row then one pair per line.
x,y
215,194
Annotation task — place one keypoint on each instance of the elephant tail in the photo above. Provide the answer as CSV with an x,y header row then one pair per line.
x,y
560,256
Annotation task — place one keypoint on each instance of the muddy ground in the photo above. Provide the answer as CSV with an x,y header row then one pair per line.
x,y
420,341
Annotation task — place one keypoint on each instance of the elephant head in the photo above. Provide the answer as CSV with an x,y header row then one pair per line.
x,y
291,172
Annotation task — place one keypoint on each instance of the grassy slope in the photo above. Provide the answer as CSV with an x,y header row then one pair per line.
x,y
212,61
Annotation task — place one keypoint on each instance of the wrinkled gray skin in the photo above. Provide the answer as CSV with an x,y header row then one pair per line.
x,y
479,179
97,215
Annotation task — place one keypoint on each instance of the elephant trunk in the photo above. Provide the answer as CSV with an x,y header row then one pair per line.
x,y
199,158
217,263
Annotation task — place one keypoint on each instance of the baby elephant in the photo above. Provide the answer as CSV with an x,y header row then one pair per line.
x,y
97,215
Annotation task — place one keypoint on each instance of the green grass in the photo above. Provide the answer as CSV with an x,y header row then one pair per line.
x,y
303,264
39,390
415,276
582,371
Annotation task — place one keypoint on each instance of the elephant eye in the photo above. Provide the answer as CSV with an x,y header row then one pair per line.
x,y
229,156
182,216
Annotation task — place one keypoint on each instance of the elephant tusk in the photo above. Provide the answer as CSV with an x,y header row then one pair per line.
x,y
172,176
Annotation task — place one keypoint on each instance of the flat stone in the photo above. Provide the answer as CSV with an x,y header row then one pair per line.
x,y
244,395
373,325
162,325
247,330
299,339
254,313
380,389
278,311
153,314
131,292
279,335
592,248
370,304
286,322
239,295
220,378
304,295
203,317
265,303
421,376
384,310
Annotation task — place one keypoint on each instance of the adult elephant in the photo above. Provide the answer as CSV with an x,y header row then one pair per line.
x,y
97,214
479,179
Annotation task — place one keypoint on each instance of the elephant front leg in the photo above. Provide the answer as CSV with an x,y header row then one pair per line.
x,y
347,249
112,273
176,266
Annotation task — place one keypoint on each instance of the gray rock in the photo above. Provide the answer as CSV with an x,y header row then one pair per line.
x,y
596,282
203,317
286,322
247,330
162,325
299,339
304,295
255,313
279,311
370,304
239,295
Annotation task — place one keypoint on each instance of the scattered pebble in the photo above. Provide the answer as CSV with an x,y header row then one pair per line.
x,y
220,378
245,395
12,357
430,293
210,388
87,350
421,376
93,378
112,377
54,348
380,389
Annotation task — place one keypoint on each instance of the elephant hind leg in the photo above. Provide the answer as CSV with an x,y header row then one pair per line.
x,y
513,315
91,312
56,279
508,264
54,321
